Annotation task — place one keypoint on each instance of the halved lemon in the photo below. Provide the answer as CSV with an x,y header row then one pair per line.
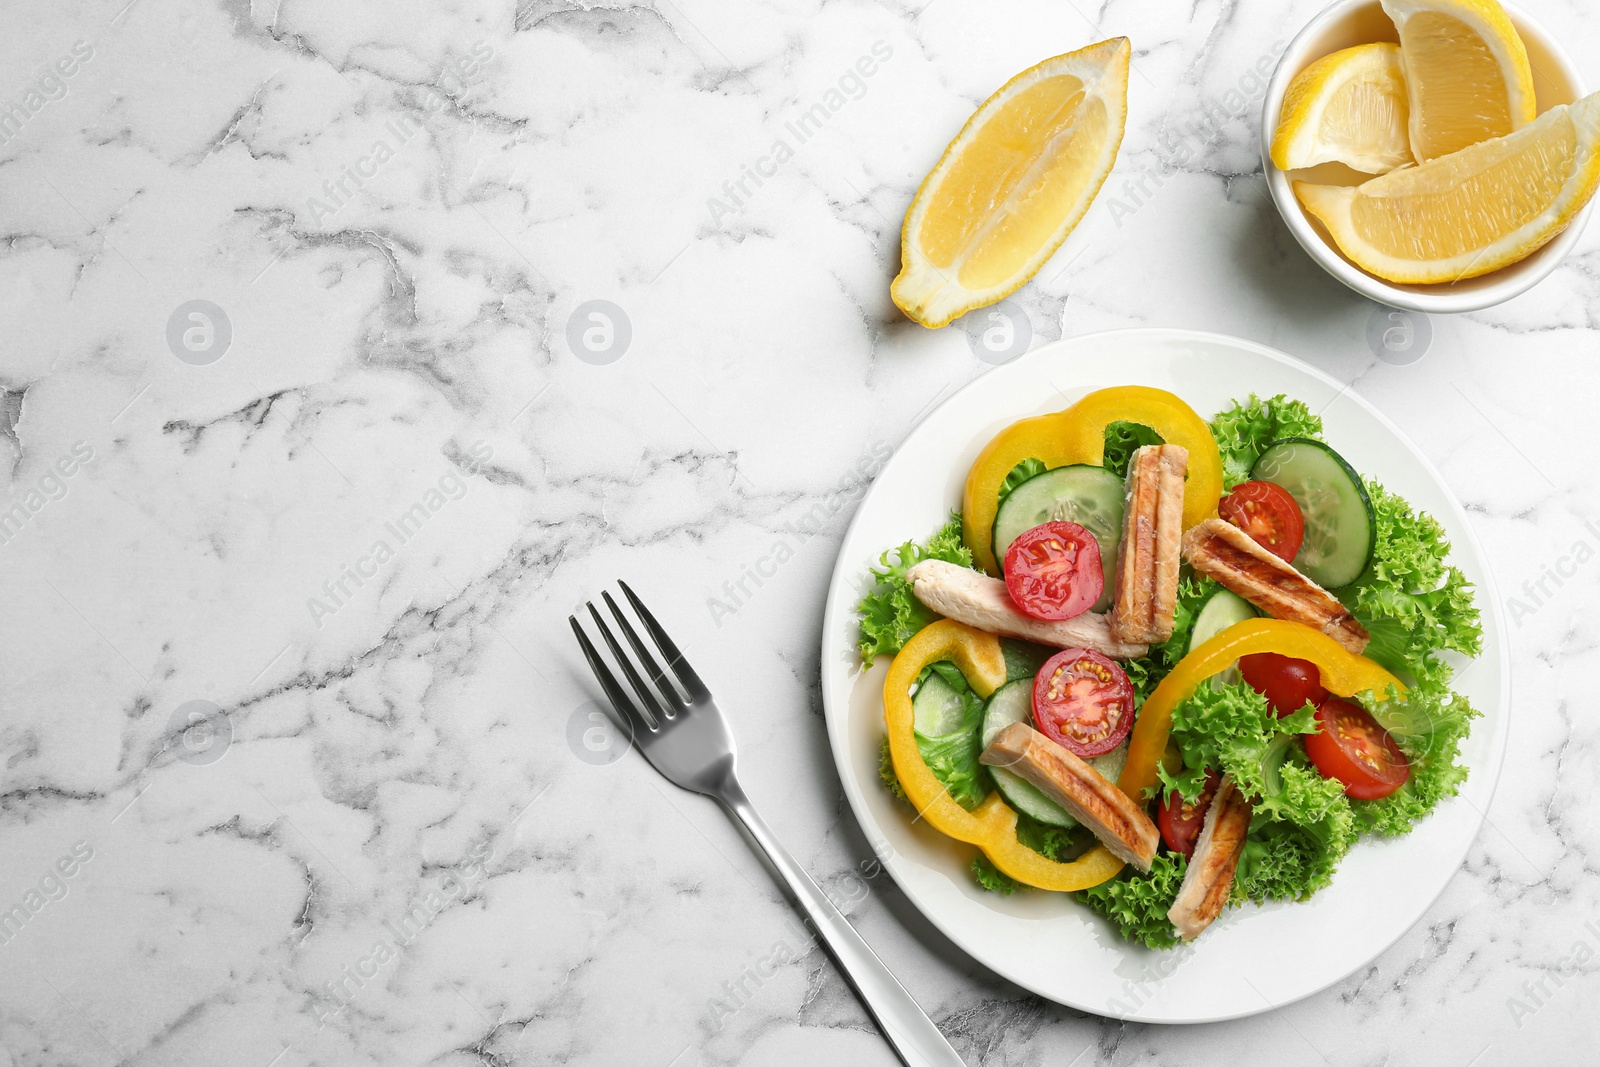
x,y
1347,108
1467,73
1471,212
1018,177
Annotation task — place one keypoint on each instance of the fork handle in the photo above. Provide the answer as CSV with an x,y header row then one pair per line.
x,y
914,1037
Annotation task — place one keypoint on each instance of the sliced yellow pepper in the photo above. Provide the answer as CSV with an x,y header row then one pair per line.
x,y
1077,435
993,826
1343,674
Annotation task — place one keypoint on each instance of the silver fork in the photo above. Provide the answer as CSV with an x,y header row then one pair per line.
x,y
689,742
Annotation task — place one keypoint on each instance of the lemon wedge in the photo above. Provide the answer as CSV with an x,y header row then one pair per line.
x,y
1471,212
1347,108
1016,180
1467,73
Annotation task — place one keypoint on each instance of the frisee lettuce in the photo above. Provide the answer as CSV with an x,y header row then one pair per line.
x,y
1123,439
992,878
890,613
1414,603
1245,430
1283,861
886,773
1137,904
1229,729
1429,722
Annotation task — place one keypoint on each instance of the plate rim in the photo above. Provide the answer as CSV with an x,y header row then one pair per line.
x,y
844,570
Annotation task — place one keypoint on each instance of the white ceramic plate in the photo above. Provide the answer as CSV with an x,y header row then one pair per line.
x,y
1254,958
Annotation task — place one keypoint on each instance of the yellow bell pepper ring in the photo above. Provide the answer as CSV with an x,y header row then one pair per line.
x,y
1343,674
993,826
1078,435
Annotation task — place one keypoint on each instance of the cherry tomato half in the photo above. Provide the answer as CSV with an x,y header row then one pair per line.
x,y
1269,515
1054,572
1288,684
1181,821
1350,745
1083,702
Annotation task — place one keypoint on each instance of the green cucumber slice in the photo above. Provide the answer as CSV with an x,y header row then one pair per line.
x,y
937,709
1092,497
1013,702
1341,527
1220,611
1110,764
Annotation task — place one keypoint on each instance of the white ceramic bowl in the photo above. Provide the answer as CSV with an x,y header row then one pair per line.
x,y
1353,22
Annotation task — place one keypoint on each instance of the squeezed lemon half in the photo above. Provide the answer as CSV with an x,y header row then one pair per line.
x,y
1016,180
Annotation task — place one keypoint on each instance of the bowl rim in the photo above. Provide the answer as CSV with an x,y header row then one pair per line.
x,y
1514,280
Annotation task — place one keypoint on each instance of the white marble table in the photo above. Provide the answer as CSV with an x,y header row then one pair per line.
x,y
389,851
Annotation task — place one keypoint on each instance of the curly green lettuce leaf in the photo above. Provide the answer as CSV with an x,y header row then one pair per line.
x,y
1137,904
1123,439
992,878
1052,842
1296,792
1286,861
887,775
1429,723
1415,605
1245,430
1303,824
1232,730
890,613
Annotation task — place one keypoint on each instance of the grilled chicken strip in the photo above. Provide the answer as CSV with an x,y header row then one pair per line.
x,y
982,602
1119,823
1228,554
1209,877
1152,528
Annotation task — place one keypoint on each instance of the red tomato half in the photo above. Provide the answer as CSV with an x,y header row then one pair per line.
x,y
1350,745
1181,821
1054,572
1288,684
1083,702
1269,515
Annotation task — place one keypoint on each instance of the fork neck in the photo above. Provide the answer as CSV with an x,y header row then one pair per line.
x,y
723,784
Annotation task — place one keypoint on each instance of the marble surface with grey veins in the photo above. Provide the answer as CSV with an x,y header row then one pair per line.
x,y
312,433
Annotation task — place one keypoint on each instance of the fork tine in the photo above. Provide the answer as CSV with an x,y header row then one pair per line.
x,y
657,714
674,702
608,681
680,666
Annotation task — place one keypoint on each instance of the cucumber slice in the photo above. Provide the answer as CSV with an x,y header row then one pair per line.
x,y
1110,765
1219,612
1013,702
937,708
1092,497
1341,527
